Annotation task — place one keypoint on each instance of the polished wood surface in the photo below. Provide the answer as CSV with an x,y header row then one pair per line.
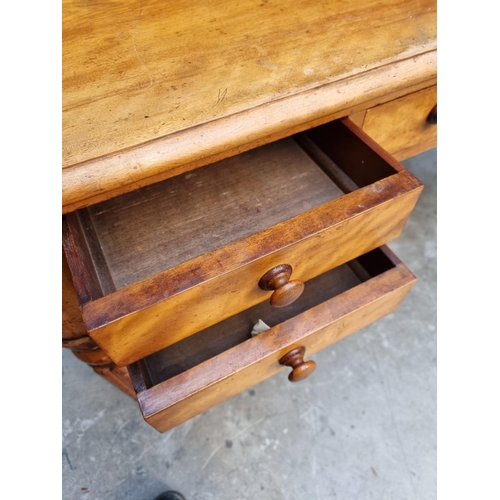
x,y
236,329
401,126
181,397
286,291
155,88
295,360
149,315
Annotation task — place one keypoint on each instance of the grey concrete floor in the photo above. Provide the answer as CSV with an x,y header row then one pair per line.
x,y
362,427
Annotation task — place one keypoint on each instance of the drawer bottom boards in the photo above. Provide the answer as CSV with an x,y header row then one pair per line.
x,y
186,378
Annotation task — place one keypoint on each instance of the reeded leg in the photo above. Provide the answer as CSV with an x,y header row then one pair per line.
x,y
75,337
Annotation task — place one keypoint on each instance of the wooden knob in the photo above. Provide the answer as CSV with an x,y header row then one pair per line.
x,y
432,117
285,291
301,369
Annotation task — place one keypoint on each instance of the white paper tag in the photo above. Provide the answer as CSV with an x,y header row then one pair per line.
x,y
259,327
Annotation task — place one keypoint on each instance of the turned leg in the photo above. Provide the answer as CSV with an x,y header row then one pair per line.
x,y
75,337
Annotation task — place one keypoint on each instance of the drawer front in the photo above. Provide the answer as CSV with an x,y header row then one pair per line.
x,y
170,402
143,317
401,126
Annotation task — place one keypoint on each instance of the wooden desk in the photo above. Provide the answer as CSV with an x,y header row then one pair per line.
x,y
153,89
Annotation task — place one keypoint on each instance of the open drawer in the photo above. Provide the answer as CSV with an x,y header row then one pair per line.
x,y
160,264
205,369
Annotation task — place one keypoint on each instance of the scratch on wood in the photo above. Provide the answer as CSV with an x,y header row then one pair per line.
x,y
221,96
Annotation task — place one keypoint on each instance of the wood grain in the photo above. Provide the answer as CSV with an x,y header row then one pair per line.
x,y
181,397
286,291
401,126
161,226
75,338
146,317
295,360
358,118
149,315
236,329
73,326
152,89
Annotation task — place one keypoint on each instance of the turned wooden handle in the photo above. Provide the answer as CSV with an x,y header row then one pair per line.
x,y
432,117
301,369
285,291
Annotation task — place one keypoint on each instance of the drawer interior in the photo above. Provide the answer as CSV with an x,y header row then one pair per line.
x,y
137,235
236,330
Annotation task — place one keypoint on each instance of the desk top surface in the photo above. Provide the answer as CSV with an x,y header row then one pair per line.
x,y
154,86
